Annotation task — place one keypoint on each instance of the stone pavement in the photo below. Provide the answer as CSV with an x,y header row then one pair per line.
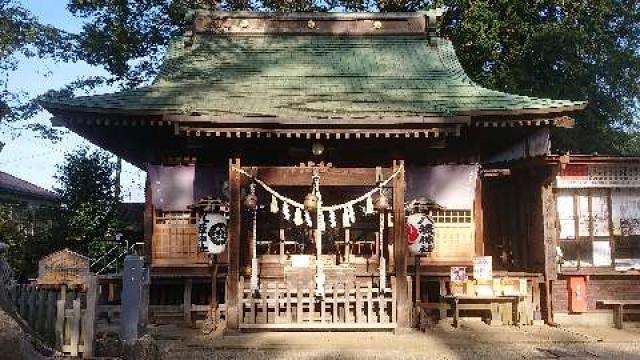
x,y
474,340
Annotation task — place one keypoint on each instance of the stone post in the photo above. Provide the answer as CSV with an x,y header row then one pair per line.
x,y
132,284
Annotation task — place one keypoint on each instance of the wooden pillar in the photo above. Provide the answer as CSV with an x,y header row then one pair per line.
x,y
478,218
549,228
214,292
400,248
148,221
89,319
233,276
186,300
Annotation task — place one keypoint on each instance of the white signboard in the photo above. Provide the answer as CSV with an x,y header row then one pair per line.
x,y
483,268
212,233
601,253
300,261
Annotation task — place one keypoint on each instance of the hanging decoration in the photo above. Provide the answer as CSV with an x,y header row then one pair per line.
x,y
368,209
381,202
312,200
285,211
381,259
352,214
346,219
274,205
212,232
313,204
420,235
332,219
297,218
254,254
322,226
251,201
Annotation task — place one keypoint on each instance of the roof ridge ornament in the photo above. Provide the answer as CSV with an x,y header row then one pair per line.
x,y
433,20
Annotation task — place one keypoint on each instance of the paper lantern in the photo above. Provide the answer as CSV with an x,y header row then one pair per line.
x,y
420,235
212,233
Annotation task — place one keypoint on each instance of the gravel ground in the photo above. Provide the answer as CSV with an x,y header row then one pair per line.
x,y
473,341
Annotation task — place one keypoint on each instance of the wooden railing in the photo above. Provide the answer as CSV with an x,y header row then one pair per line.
x,y
347,304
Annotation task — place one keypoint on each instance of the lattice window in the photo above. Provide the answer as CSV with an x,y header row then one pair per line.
x,y
452,216
615,173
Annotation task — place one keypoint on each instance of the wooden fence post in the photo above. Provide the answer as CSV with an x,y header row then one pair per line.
x,y
50,332
89,320
75,325
60,307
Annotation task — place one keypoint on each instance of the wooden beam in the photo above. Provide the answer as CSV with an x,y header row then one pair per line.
x,y
418,121
233,279
400,248
301,176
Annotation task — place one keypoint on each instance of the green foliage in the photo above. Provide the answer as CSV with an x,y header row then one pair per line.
x,y
89,201
559,49
22,36
31,233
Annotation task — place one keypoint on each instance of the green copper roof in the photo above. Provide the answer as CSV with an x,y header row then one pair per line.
x,y
311,76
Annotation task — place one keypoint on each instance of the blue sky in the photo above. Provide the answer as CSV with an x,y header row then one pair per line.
x,y
34,159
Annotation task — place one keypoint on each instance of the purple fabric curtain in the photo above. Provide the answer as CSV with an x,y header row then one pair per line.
x,y
452,186
172,186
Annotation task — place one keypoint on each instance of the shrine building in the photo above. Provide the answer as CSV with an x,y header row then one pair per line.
x,y
334,171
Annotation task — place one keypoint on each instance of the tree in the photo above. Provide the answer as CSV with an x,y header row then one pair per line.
x,y
31,232
559,49
87,189
22,36
583,50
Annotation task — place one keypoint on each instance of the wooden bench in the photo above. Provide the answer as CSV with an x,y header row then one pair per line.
x,y
503,309
618,309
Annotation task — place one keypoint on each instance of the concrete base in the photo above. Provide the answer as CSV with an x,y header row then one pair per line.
x,y
589,319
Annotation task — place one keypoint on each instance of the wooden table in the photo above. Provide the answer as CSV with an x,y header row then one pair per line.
x,y
490,303
618,309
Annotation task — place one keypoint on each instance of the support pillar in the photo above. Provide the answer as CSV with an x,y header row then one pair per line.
x,y
233,277
403,306
186,301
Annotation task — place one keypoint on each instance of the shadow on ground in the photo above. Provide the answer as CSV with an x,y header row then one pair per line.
x,y
473,340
